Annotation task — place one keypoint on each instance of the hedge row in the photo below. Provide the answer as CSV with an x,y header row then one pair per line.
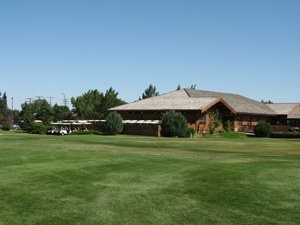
x,y
84,132
285,135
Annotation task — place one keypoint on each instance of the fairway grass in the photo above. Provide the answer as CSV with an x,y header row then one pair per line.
x,y
132,180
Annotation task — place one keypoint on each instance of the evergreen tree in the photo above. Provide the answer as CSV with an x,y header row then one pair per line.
x,y
267,102
193,86
3,109
173,124
114,123
110,99
150,92
26,117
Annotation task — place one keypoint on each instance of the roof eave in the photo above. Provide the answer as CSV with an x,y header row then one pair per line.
x,y
260,114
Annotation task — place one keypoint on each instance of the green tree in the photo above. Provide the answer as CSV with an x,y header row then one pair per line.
x,y
114,123
60,112
3,109
178,87
94,104
38,110
193,86
110,100
88,104
266,102
150,92
6,126
173,124
26,117
43,111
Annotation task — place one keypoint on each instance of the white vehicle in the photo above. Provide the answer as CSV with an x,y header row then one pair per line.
x,y
62,132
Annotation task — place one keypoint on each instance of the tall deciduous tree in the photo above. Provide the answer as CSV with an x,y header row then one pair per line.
x,y
150,92
61,112
43,111
88,104
38,110
94,104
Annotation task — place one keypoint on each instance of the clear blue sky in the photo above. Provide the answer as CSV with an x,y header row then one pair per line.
x,y
70,46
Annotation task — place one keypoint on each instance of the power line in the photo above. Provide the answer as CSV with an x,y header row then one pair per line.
x,y
29,100
50,100
39,97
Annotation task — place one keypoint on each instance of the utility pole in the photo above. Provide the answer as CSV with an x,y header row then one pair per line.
x,y
29,100
39,97
50,98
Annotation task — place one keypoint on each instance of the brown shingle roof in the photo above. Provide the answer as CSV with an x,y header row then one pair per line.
x,y
238,103
283,108
292,110
295,114
176,100
191,99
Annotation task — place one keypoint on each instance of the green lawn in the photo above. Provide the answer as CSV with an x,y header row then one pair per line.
x,y
144,180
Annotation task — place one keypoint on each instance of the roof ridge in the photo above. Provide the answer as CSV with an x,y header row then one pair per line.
x,y
213,92
185,89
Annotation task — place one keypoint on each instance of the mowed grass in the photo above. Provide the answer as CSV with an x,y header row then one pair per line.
x,y
144,180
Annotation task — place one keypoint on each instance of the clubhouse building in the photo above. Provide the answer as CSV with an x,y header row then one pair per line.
x,y
143,116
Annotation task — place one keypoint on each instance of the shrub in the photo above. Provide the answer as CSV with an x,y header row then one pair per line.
x,y
285,135
39,128
84,132
262,129
26,125
189,132
214,121
228,126
113,124
6,126
173,124
233,135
